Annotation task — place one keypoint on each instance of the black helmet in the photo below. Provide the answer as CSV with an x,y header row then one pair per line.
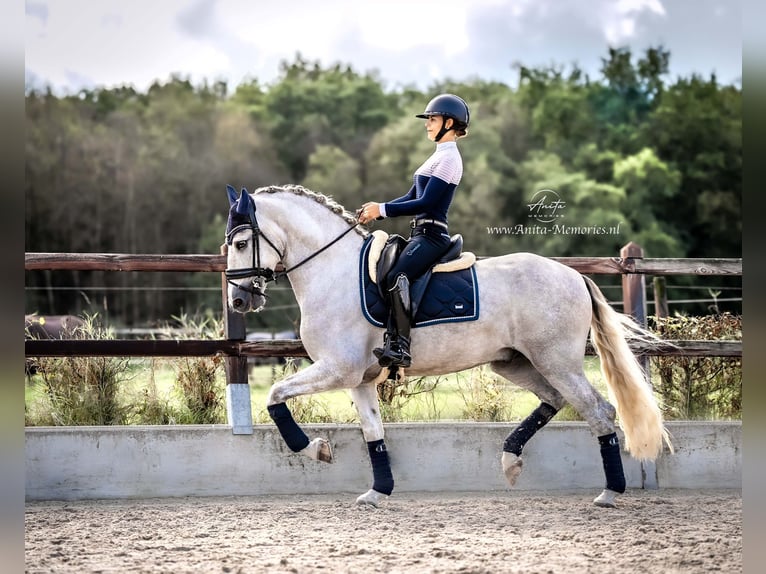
x,y
448,105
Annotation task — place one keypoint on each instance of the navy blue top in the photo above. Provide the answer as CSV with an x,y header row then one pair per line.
x,y
433,186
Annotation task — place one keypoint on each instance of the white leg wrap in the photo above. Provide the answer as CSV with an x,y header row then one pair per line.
x,y
511,467
372,497
606,499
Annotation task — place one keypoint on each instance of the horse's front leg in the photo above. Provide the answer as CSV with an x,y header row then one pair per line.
x,y
365,399
321,376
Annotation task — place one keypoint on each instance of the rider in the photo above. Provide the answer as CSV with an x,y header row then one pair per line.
x,y
428,200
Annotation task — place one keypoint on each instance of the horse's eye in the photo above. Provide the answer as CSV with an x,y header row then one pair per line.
x,y
241,245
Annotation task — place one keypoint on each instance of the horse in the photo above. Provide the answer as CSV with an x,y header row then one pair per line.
x,y
533,327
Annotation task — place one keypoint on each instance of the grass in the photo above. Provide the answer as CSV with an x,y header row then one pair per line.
x,y
150,387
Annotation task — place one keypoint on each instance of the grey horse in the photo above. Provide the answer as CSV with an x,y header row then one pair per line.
x,y
534,323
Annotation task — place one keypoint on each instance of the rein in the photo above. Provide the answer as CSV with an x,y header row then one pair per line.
x,y
310,257
263,274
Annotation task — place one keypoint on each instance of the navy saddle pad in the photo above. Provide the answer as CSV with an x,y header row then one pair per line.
x,y
449,297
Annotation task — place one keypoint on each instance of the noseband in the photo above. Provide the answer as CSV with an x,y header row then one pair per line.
x,y
263,275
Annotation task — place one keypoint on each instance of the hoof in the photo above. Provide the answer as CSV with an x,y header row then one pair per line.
x,y
319,449
371,498
511,467
606,499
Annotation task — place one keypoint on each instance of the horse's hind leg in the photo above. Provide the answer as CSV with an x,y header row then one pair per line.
x,y
365,398
569,379
522,373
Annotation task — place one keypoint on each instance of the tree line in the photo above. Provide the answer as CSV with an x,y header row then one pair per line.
x,y
630,154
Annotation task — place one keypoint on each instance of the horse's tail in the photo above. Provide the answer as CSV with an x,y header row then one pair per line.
x,y
639,413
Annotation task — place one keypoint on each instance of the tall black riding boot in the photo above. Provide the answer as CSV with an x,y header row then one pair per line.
x,y
396,343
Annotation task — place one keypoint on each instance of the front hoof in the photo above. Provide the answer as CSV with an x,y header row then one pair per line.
x,y
371,498
606,499
319,449
512,465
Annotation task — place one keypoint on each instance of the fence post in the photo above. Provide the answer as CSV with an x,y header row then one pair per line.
x,y
660,298
634,286
238,409
634,304
634,296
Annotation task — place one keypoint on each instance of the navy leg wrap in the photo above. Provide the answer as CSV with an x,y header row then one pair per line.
x,y
294,437
610,456
382,479
528,427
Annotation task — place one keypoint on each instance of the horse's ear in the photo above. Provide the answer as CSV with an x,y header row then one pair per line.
x,y
246,206
232,193
243,204
250,206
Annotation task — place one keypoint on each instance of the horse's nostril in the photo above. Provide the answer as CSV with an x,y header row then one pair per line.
x,y
237,303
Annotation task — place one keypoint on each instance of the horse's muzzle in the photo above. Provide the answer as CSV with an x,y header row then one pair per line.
x,y
243,301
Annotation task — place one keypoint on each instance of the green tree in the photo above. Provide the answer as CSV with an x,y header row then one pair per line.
x,y
333,172
311,106
650,185
629,94
697,128
588,207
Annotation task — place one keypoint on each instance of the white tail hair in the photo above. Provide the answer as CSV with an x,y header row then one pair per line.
x,y
629,391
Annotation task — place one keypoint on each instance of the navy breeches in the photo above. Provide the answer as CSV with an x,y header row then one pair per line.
x,y
424,248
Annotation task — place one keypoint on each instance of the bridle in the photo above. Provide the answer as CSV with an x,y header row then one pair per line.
x,y
263,275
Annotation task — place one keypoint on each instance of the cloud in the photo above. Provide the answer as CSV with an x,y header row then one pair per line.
x,y
198,20
112,42
37,10
619,19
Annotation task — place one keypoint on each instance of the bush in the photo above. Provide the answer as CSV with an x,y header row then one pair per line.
x,y
84,390
199,380
485,396
700,387
393,396
151,408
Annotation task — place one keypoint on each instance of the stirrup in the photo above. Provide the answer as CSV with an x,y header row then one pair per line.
x,y
396,354
380,351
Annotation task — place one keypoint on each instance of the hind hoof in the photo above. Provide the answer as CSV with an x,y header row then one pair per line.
x,y
512,465
319,449
371,498
606,499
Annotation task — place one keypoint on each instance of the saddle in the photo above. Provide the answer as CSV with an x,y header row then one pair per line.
x,y
385,251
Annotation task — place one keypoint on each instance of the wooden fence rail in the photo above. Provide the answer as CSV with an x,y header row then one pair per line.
x,y
236,349
587,265
294,348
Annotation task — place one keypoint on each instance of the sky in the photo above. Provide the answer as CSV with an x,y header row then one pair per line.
x,y
76,44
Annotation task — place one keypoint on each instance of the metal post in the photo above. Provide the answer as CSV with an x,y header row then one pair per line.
x,y
238,409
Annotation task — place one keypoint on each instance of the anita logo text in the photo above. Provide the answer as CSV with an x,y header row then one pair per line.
x,y
546,206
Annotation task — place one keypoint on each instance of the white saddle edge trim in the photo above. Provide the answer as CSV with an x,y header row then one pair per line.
x,y
465,260
379,238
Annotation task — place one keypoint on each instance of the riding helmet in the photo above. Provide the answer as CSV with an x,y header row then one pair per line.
x,y
450,106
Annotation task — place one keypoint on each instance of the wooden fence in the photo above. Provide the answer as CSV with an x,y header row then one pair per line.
x,y
631,265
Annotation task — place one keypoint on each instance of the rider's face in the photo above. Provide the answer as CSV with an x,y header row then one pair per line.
x,y
434,124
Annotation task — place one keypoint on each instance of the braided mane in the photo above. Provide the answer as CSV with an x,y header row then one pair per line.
x,y
320,198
